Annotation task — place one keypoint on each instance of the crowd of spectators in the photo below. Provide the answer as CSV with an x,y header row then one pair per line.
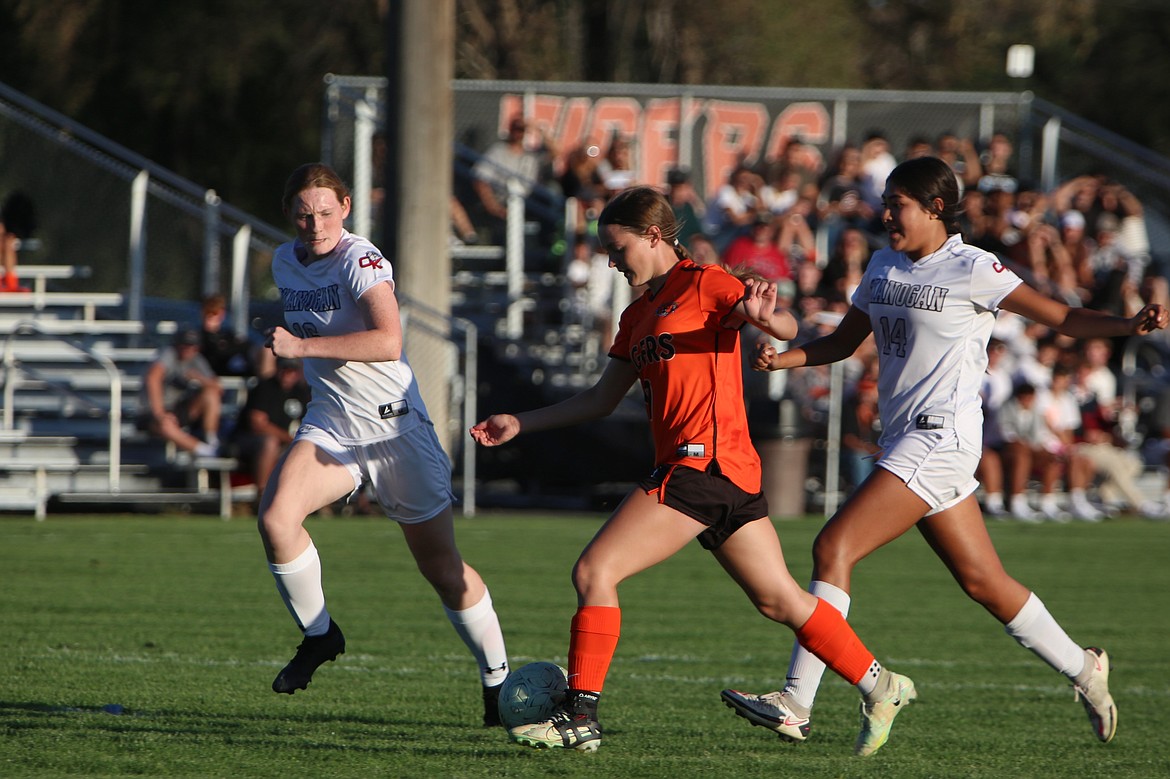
x,y
810,223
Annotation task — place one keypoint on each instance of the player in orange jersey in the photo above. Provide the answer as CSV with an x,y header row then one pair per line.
x,y
680,341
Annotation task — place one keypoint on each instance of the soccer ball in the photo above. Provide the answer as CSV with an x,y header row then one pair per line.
x,y
532,693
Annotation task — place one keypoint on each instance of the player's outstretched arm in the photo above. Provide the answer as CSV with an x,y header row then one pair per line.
x,y
837,345
598,401
1082,322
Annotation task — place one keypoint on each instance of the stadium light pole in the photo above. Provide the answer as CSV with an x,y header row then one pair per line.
x,y
419,131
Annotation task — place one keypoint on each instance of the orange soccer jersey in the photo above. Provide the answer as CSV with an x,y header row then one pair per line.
x,y
689,366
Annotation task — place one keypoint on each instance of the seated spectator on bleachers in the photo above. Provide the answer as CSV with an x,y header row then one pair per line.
x,y
17,222
1062,415
226,353
269,419
505,160
1103,444
1026,448
182,394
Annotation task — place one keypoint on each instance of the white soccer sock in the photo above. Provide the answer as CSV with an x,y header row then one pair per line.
x,y
1034,628
479,627
804,668
299,585
994,501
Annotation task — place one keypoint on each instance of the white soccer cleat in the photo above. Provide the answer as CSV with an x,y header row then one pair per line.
x,y
877,717
564,730
770,710
1093,692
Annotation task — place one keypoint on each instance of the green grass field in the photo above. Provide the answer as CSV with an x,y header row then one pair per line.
x,y
135,646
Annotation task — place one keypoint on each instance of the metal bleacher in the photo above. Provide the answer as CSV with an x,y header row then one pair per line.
x,y
71,375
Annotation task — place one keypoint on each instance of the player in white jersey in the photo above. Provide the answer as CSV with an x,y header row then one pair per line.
x,y
930,301
365,423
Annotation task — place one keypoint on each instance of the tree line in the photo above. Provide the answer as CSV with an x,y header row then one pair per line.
x,y
229,93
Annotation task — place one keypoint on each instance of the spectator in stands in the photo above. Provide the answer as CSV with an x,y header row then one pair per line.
x,y
843,202
781,189
18,221
462,228
918,146
703,252
961,155
1156,445
997,389
861,427
877,161
1102,443
366,423
1025,437
269,419
998,165
1035,367
999,235
1053,269
181,394
795,176
733,210
226,353
1062,416
582,181
757,251
1112,274
689,209
617,167
509,159
847,261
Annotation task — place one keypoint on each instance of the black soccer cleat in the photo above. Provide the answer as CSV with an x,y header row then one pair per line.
x,y
311,654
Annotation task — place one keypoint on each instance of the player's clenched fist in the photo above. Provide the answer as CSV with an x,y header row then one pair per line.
x,y
496,429
767,358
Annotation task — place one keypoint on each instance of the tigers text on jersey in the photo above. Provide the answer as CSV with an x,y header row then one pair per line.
x,y
931,321
689,367
358,402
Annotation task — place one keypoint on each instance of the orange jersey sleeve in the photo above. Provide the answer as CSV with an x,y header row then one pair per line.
x,y
689,368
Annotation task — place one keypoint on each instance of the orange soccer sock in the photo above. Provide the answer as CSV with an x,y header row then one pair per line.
x,y
828,636
592,642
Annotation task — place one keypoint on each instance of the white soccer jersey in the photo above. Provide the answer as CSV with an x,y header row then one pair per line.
x,y
931,320
358,402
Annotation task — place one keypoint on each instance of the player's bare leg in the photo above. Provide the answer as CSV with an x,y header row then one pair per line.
x,y
305,480
465,599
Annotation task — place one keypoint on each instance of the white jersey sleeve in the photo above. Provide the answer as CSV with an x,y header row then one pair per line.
x,y
357,402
